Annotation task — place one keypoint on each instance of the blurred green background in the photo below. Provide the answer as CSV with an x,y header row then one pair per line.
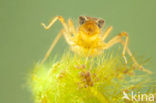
x,y
23,41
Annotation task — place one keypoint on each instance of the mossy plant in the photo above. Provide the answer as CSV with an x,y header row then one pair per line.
x,y
77,79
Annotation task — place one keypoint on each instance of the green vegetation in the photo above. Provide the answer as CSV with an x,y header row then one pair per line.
x,y
76,79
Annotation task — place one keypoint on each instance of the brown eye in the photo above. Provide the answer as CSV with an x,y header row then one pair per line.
x,y
100,23
82,20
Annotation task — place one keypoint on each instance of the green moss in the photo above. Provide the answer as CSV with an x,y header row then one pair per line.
x,y
76,79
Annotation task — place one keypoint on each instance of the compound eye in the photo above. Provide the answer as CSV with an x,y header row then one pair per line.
x,y
82,20
100,23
